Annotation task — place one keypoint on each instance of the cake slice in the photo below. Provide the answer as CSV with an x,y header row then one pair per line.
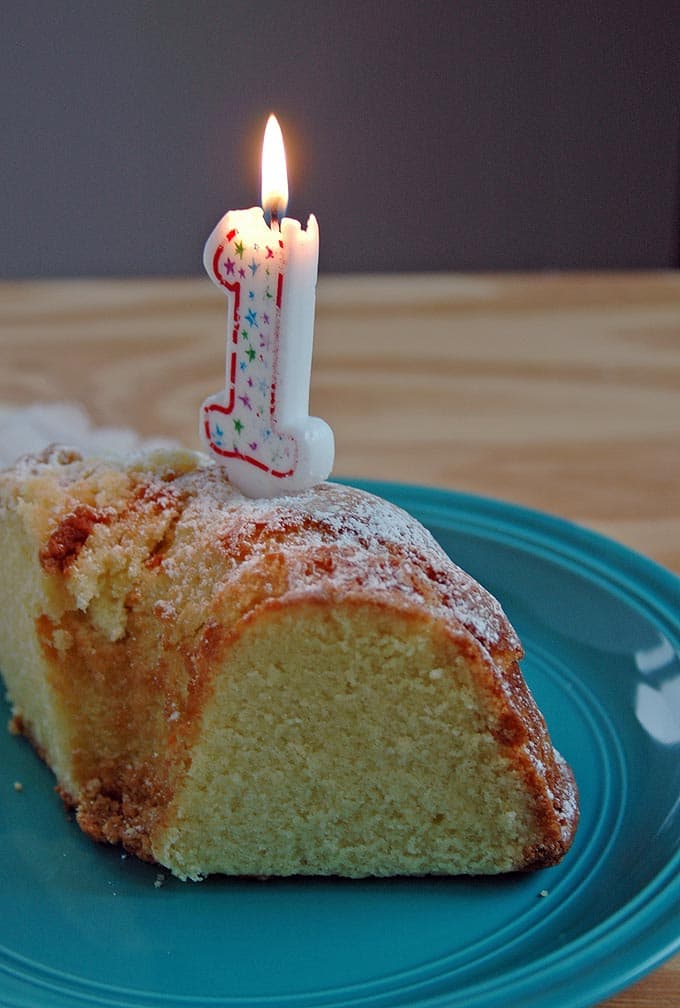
x,y
304,685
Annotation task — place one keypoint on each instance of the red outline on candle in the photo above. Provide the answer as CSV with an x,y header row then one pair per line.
x,y
235,289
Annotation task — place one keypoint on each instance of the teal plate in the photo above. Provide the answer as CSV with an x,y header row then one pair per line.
x,y
82,925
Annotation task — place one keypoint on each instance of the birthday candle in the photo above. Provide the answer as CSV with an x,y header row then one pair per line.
x,y
259,426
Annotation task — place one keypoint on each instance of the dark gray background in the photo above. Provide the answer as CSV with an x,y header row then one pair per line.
x,y
425,136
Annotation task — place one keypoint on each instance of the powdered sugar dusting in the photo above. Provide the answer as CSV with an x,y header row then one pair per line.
x,y
371,547
331,541
383,547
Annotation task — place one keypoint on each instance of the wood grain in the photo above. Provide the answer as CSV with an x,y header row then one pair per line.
x,y
560,392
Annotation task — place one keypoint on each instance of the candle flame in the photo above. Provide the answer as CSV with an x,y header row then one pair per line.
x,y
274,174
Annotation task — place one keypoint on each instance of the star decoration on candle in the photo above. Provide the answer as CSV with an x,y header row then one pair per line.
x,y
250,410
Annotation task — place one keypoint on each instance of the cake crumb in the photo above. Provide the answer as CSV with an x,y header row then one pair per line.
x,y
18,786
543,893
160,879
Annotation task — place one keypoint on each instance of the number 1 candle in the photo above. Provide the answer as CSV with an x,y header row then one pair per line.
x,y
259,426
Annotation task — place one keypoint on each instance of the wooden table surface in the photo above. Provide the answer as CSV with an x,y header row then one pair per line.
x,y
560,392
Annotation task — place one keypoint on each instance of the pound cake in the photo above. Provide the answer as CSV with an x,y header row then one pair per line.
x,y
302,685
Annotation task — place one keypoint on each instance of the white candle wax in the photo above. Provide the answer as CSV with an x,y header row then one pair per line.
x,y
259,426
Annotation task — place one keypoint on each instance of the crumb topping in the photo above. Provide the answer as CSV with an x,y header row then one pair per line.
x,y
71,534
330,539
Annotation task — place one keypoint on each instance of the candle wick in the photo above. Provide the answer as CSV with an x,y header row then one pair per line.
x,y
274,218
